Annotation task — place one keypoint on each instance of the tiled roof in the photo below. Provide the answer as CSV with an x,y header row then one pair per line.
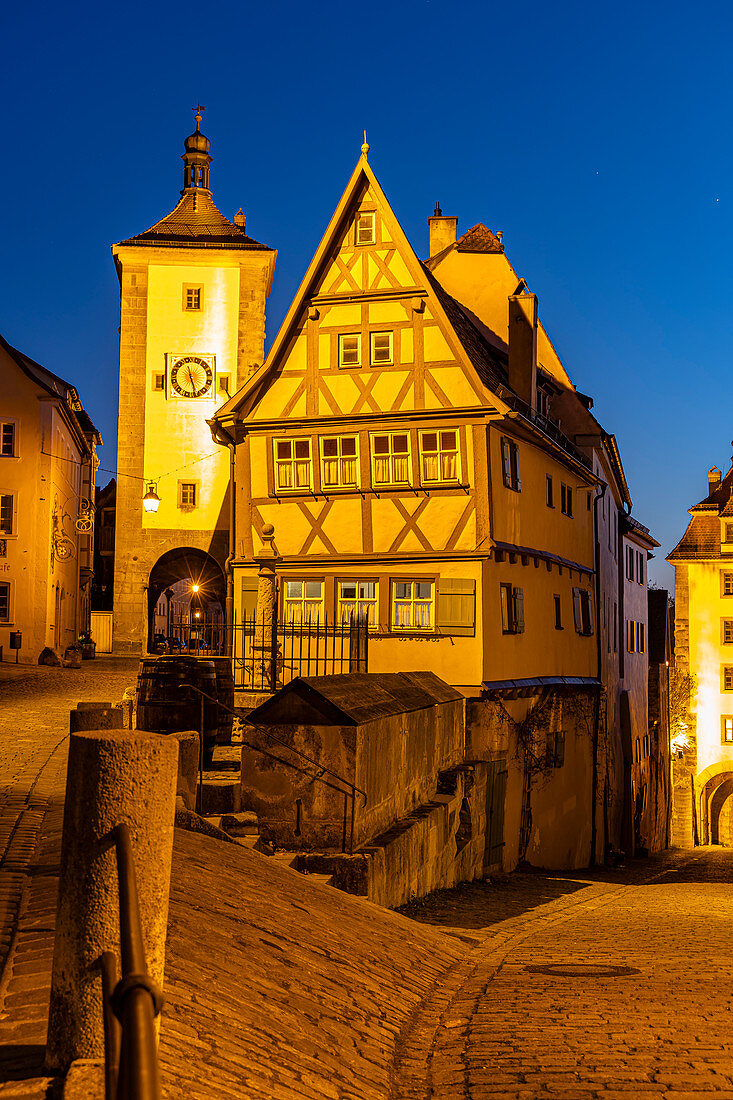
x,y
479,239
720,497
700,540
197,221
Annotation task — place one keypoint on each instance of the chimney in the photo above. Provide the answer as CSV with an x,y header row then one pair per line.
x,y
523,344
713,478
442,231
240,218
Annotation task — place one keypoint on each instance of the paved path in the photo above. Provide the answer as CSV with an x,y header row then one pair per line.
x,y
610,986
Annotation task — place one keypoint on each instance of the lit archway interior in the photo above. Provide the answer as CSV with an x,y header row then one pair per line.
x,y
190,578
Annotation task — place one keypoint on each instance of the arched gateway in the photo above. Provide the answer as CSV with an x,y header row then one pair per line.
x,y
186,602
716,810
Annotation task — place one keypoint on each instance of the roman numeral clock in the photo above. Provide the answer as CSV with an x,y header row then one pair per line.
x,y
191,376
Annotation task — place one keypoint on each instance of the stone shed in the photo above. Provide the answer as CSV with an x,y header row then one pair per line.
x,y
390,734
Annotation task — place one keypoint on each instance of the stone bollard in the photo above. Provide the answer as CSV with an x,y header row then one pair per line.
x,y
94,718
114,777
188,766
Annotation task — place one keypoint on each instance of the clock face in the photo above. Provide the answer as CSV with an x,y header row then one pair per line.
x,y
191,377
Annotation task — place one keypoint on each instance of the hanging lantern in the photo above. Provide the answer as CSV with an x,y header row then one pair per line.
x,y
151,500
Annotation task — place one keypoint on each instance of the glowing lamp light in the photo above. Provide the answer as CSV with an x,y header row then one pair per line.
x,y
151,500
197,615
194,587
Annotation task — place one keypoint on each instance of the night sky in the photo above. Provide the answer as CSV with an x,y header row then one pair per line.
x,y
597,137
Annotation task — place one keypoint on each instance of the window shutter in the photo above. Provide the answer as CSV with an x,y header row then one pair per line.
x,y
517,478
506,463
456,606
518,597
249,596
577,613
6,515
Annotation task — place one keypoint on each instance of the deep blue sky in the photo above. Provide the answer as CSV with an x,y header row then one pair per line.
x,y
596,136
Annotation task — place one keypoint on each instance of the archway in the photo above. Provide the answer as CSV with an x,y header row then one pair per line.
x,y
186,601
721,807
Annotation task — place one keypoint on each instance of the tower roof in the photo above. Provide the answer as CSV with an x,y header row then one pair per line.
x,y
196,221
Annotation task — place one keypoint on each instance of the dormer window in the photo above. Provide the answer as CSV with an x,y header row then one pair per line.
x,y
366,227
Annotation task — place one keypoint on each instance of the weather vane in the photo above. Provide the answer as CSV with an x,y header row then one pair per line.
x,y
197,113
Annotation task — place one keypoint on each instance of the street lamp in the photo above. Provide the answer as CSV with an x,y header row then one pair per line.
x,y
151,500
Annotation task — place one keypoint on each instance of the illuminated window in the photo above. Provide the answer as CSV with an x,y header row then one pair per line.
x,y
566,499
727,584
512,609
366,227
412,605
192,296
439,456
549,498
187,494
510,464
303,601
381,348
726,729
7,514
350,350
391,459
727,677
339,462
4,602
293,466
7,439
358,599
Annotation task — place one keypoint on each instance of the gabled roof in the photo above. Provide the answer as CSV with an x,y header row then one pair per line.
x,y
197,222
477,351
352,700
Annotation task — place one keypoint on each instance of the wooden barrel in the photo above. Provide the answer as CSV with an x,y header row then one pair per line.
x,y
165,706
225,696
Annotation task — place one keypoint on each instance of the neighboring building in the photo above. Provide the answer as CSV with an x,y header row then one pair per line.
x,y
193,290
655,772
47,466
703,755
415,460
104,547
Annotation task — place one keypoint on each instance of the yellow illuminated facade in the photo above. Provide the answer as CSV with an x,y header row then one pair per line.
x,y
193,291
703,748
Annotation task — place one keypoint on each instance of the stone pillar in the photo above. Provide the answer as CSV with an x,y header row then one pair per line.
x,y
266,613
114,777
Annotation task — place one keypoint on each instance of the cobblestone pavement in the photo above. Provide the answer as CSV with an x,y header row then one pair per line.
x,y
34,725
609,985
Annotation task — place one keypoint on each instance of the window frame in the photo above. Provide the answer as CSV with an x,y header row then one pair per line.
x,y
583,611
726,577
8,586
372,338
414,599
12,495
725,720
193,288
566,500
183,487
510,464
9,422
341,486
304,600
376,484
726,679
557,601
511,605
437,432
349,336
372,601
371,214
549,491
292,439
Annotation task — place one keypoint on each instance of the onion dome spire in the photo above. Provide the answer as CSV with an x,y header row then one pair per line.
x,y
196,159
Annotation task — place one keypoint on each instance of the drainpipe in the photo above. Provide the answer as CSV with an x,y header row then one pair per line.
x,y
599,644
228,567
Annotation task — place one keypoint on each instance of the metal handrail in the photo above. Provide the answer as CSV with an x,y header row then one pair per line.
x,y
350,793
131,1059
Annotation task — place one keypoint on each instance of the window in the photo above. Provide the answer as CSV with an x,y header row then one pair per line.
x,y
582,611
223,382
727,677
7,514
629,564
159,382
630,636
339,465
381,348
365,227
729,532
4,602
391,459
543,403
510,464
357,598
726,584
555,755
726,631
512,609
293,467
192,296
639,567
615,627
726,722
439,456
549,497
566,499
588,499
303,601
350,350
558,612
187,495
641,638
7,439
412,605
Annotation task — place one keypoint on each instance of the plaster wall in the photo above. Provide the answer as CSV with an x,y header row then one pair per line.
x,y
707,657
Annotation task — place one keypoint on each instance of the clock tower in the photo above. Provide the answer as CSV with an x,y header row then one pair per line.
x,y
192,328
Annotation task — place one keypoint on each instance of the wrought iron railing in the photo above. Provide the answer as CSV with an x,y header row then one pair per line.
x,y
132,1003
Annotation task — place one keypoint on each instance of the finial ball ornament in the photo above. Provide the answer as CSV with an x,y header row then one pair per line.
x,y
365,146
267,530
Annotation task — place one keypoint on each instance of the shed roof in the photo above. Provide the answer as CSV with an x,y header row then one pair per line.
x,y
352,699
